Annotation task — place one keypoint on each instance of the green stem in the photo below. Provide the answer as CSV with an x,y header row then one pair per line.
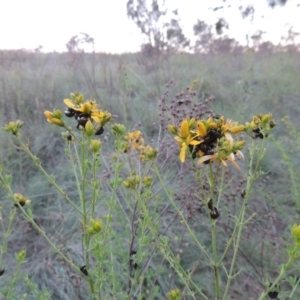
x,y
29,218
9,295
3,248
49,178
295,288
215,257
283,271
182,218
213,178
86,236
167,252
251,177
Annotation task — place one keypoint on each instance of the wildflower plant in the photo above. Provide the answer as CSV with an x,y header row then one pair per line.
x,y
127,236
215,142
110,189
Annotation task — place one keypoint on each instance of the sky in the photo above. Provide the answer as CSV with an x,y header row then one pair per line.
x,y
51,23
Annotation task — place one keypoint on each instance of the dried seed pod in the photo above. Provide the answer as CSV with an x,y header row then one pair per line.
x,y
214,213
84,270
243,193
274,294
134,264
99,131
69,113
210,204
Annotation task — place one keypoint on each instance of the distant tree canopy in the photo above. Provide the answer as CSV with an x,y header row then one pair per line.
x,y
163,31
77,42
273,3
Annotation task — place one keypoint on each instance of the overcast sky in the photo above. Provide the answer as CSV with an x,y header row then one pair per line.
x,y
51,23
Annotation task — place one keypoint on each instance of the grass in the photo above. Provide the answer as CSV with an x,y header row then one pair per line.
x,y
132,87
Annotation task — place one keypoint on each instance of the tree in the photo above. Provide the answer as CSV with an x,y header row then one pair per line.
x,y
151,18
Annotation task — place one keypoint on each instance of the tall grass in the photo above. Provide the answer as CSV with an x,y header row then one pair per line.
x,y
131,87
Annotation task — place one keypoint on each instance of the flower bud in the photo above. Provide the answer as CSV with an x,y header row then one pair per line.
x,y
236,129
89,128
174,294
172,129
202,131
95,146
13,127
118,130
214,213
96,225
296,233
21,256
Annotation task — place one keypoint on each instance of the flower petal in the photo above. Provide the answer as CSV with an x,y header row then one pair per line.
x,y
184,129
204,158
240,153
201,129
69,103
195,142
182,152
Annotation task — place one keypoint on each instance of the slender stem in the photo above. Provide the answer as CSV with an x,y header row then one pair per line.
x,y
191,232
213,177
295,288
95,188
283,270
7,233
215,257
168,253
50,178
29,218
251,177
86,236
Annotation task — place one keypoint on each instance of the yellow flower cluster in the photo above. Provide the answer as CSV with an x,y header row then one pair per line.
x,y
133,182
22,200
209,140
174,294
54,117
85,113
260,125
13,127
135,142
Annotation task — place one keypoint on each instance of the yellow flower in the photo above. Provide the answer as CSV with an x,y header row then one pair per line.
x,y
54,117
135,140
89,109
184,139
